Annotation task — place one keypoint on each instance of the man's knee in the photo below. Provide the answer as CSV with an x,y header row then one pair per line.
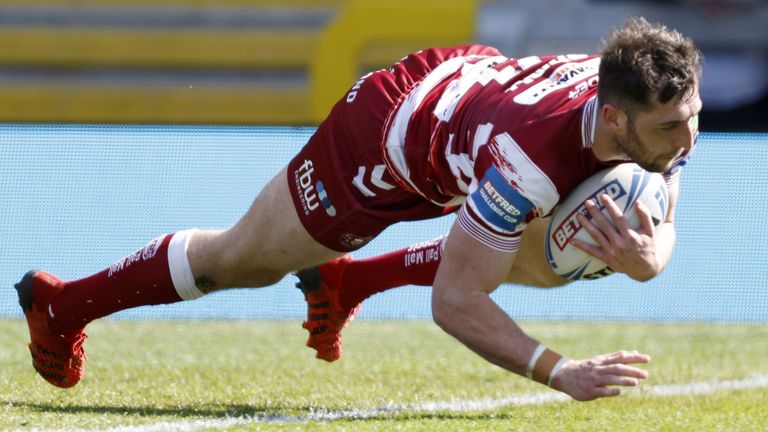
x,y
221,260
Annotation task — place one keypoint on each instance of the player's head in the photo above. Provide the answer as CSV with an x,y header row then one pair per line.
x,y
649,78
641,63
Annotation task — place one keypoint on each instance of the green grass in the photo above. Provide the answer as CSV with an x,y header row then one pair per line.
x,y
143,373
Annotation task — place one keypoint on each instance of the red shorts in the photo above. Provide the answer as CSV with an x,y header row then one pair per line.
x,y
342,190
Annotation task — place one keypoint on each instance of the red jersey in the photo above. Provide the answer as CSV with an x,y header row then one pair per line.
x,y
502,140
505,138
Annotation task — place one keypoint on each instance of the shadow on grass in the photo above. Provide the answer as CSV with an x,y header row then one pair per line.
x,y
149,411
264,413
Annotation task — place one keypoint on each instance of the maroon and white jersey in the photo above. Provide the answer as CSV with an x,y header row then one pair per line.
x,y
508,138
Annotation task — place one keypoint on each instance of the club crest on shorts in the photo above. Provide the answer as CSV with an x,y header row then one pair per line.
x,y
353,241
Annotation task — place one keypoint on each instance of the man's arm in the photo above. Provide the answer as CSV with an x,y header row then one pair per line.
x,y
666,236
640,253
461,306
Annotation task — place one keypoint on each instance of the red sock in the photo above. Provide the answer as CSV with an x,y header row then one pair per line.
x,y
414,265
142,278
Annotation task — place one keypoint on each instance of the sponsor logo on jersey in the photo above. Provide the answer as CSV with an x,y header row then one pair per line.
x,y
324,200
563,76
500,203
311,195
570,226
352,94
583,86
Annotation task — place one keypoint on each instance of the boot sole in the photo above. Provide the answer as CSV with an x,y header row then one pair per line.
x,y
24,290
309,280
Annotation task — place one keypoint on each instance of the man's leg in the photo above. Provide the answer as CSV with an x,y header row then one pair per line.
x,y
331,310
360,279
350,282
268,242
417,265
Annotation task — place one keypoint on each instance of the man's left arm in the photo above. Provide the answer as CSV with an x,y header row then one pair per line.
x,y
665,233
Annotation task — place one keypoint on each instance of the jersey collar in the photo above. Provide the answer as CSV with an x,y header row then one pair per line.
x,y
588,119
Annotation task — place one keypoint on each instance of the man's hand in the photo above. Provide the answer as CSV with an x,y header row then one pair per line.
x,y
597,377
627,250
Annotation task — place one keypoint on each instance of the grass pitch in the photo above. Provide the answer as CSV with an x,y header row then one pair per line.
x,y
257,375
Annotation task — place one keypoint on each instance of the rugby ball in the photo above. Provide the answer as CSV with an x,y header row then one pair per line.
x,y
625,184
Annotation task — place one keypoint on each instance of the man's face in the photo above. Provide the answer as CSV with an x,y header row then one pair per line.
x,y
654,138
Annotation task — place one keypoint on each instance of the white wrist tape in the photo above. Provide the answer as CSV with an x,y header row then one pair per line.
x,y
559,365
534,358
544,365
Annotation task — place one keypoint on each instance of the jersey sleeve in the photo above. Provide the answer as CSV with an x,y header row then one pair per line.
x,y
511,192
495,212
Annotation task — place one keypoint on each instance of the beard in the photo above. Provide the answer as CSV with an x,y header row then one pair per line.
x,y
633,146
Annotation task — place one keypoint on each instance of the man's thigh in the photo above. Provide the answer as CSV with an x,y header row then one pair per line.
x,y
270,235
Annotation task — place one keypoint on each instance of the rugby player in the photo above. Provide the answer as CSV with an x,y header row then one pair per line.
x,y
500,141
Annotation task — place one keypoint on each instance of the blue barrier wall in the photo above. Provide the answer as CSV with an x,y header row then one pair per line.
x,y
73,199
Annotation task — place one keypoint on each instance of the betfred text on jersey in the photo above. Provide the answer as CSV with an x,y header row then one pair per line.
x,y
499,204
565,75
571,226
311,195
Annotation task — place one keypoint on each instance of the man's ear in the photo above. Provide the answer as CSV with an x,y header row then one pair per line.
x,y
614,117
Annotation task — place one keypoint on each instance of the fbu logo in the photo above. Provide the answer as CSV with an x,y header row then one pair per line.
x,y
310,194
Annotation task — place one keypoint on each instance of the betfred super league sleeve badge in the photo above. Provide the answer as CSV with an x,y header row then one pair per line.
x,y
499,203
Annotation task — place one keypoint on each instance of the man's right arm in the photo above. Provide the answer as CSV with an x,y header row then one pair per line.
x,y
461,306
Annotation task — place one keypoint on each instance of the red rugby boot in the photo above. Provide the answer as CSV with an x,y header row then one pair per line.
x,y
326,317
58,356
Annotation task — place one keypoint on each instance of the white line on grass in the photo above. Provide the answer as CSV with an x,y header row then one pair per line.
x,y
454,405
704,388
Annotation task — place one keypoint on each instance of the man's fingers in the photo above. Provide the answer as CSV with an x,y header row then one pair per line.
x,y
599,219
607,391
625,371
593,231
602,375
646,222
626,357
617,380
616,214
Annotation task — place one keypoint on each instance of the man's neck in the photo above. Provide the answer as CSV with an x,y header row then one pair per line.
x,y
604,146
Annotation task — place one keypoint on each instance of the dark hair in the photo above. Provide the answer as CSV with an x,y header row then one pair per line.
x,y
641,60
